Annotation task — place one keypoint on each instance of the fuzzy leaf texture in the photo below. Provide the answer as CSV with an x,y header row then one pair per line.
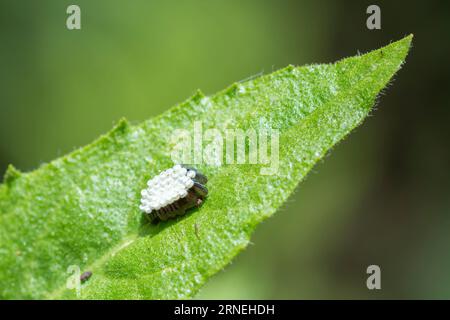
x,y
82,209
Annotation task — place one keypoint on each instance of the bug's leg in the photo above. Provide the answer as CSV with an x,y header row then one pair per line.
x,y
200,190
180,209
155,218
196,198
193,199
161,214
199,202
172,210
180,212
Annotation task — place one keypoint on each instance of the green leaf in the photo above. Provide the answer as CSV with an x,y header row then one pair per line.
x,y
82,209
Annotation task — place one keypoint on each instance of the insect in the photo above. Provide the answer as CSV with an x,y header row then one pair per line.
x,y
85,276
173,192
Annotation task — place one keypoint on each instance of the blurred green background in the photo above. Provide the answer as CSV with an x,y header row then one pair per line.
x,y
381,197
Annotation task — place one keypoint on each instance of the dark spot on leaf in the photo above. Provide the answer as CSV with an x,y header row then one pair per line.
x,y
85,276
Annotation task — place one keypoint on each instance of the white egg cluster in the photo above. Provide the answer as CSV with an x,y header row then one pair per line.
x,y
166,188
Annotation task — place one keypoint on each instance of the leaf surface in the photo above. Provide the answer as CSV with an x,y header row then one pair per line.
x,y
82,209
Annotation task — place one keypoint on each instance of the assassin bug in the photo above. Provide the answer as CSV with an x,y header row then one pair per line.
x,y
173,192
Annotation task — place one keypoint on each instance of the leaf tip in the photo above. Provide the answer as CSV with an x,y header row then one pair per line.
x,y
402,45
407,40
